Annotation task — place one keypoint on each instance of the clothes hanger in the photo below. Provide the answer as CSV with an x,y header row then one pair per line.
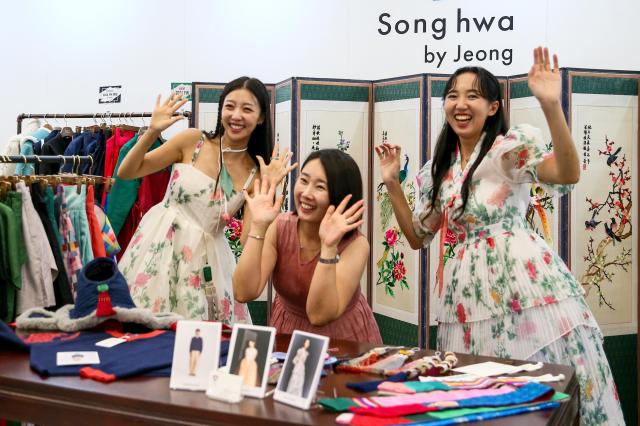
x,y
66,131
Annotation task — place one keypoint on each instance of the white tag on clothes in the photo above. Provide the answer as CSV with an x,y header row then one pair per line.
x,y
77,358
224,386
110,342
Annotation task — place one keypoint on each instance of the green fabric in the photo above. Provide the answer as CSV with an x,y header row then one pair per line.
x,y
427,386
226,183
124,192
55,222
14,201
337,405
10,254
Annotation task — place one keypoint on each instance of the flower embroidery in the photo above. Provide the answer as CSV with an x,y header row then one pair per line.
x,y
391,236
547,257
399,271
234,226
549,300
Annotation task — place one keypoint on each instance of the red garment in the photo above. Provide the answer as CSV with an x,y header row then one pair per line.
x,y
95,230
292,279
112,150
151,192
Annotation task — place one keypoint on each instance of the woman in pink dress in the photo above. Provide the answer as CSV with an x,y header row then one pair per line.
x,y
316,256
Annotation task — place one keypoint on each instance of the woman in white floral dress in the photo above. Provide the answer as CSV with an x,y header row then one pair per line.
x,y
502,290
179,259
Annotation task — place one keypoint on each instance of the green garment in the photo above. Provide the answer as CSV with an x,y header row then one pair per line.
x,y
124,193
12,250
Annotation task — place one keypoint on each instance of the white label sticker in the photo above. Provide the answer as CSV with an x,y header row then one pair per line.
x,y
77,358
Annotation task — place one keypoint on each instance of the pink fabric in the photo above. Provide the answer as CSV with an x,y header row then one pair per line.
x,y
291,280
97,245
438,396
112,150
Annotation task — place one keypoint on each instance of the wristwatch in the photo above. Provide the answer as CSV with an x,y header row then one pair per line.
x,y
329,261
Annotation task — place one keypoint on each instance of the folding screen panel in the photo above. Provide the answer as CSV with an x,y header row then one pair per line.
x,y
335,114
398,278
603,247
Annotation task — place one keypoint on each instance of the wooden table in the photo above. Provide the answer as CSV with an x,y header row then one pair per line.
x,y
25,396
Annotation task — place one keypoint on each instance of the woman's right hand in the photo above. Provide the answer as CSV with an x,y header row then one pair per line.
x,y
264,205
389,156
162,117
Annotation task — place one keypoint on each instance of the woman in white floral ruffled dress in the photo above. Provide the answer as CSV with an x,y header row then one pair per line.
x,y
502,290
179,259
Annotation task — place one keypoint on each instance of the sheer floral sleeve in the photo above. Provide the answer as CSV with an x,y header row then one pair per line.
x,y
426,222
519,152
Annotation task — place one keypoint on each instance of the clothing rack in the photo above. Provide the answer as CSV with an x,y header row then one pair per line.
x,y
73,159
97,115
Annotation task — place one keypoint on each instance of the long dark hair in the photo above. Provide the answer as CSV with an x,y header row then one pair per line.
x,y
343,176
261,139
489,87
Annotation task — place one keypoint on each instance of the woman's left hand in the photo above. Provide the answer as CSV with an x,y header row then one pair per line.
x,y
337,222
278,167
545,82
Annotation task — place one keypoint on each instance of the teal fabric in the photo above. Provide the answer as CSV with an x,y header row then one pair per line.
x,y
124,193
76,206
26,169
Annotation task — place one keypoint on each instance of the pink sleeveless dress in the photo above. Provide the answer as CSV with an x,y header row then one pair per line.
x,y
291,281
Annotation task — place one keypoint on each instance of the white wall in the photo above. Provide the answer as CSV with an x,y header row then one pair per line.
x,y
55,54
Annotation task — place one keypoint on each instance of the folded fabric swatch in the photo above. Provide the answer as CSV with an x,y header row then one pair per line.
x,y
372,385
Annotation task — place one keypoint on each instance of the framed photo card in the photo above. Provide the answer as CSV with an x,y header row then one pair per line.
x,y
249,356
302,368
195,354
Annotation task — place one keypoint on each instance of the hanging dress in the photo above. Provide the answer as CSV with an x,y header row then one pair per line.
x,y
178,259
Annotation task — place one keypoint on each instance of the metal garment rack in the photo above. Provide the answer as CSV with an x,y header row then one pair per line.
x,y
96,115
73,159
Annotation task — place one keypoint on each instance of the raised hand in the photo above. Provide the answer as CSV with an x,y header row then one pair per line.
x,y
278,167
545,82
162,117
337,222
264,206
389,156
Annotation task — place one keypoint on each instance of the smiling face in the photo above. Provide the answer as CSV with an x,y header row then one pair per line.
x,y
240,115
466,110
311,192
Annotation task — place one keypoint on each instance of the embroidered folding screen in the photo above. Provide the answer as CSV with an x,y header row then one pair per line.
x,y
398,276
603,111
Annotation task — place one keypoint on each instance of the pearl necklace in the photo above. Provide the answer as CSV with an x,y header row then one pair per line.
x,y
227,149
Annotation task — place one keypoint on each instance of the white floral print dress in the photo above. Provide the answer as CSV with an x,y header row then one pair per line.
x,y
178,242
505,292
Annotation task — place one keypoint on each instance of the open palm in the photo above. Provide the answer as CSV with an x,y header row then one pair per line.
x,y
389,160
264,206
544,82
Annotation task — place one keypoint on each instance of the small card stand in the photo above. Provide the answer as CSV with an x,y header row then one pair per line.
x,y
225,387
